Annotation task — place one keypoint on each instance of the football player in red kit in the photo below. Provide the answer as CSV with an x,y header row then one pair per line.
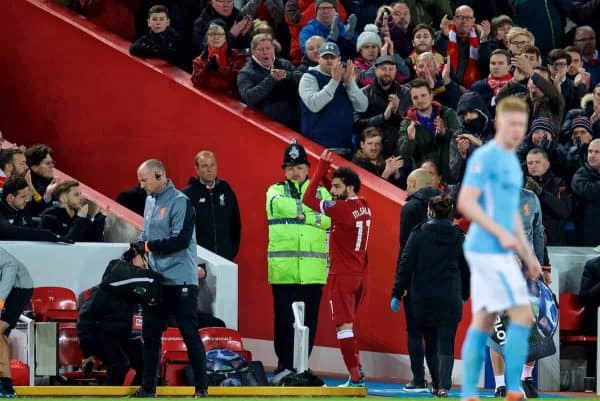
x,y
350,226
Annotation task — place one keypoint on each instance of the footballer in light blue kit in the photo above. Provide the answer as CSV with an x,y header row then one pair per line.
x,y
489,198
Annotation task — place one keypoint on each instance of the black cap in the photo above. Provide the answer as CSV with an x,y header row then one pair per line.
x,y
384,60
294,155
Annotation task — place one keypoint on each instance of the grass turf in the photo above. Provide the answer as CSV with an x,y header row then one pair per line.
x,y
278,398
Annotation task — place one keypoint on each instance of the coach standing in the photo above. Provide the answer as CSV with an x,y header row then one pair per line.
x,y
169,238
297,253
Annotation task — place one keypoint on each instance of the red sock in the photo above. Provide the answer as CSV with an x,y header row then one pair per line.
x,y
349,348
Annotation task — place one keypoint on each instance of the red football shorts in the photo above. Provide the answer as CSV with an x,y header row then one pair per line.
x,y
345,294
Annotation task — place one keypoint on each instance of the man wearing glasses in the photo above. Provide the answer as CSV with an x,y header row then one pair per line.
x,y
459,40
585,42
572,90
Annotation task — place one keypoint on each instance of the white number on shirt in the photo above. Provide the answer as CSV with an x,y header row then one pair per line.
x,y
359,236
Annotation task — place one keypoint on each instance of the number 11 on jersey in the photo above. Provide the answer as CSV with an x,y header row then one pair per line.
x,y
360,234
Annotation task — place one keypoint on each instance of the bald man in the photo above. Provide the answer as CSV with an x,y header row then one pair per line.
x,y
218,222
586,186
456,40
419,186
169,239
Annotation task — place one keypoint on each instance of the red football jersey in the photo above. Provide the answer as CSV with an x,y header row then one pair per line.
x,y
351,226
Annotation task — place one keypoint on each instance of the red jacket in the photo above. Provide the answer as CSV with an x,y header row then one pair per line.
x,y
224,79
297,15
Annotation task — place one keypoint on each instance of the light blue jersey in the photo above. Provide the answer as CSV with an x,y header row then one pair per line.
x,y
498,175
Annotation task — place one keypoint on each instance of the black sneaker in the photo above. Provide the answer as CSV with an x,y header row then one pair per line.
x,y
6,388
529,388
442,393
411,387
200,394
500,392
142,393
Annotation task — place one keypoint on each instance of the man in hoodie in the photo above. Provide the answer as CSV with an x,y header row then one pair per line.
x,y
554,195
388,102
328,25
543,134
581,135
218,222
330,97
427,130
475,129
420,190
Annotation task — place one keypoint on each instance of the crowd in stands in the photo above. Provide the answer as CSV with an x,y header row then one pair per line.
x,y
35,207
393,84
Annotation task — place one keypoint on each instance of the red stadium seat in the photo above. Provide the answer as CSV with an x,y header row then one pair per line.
x,y
571,320
70,356
54,304
222,337
174,358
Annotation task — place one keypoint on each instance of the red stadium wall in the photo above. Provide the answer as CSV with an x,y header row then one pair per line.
x,y
67,83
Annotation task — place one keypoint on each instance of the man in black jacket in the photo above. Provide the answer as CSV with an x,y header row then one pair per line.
x,y
15,219
388,102
589,292
70,218
586,186
218,222
554,195
420,189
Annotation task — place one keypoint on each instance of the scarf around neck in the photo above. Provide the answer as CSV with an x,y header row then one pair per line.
x,y
472,71
496,84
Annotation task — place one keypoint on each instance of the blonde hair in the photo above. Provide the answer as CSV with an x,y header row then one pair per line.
x,y
427,56
261,26
214,27
511,104
518,31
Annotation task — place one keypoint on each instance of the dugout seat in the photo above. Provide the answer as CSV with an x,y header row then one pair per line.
x,y
222,337
571,320
70,356
54,304
174,358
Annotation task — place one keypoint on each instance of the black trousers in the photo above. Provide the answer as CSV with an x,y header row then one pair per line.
x,y
416,352
180,301
439,351
15,303
118,354
283,297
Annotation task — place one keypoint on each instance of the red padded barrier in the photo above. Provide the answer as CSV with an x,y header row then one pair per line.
x,y
68,83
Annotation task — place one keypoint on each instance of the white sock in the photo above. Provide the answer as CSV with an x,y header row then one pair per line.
x,y
527,371
499,381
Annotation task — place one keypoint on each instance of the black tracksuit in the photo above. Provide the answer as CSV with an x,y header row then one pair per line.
x,y
15,225
165,45
78,229
433,269
218,223
586,187
104,330
414,213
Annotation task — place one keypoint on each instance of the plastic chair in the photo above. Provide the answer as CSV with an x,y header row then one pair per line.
x,y
571,320
222,337
54,304
174,358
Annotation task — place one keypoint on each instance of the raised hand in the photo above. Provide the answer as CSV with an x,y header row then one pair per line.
x,y
440,127
338,72
445,25
486,29
350,72
412,130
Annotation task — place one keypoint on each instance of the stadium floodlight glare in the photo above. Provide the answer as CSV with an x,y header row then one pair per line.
x,y
300,338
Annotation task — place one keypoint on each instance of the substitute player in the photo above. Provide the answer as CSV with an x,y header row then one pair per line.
x,y
351,223
490,199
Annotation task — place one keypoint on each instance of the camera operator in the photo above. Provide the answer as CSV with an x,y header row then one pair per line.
x,y
104,326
